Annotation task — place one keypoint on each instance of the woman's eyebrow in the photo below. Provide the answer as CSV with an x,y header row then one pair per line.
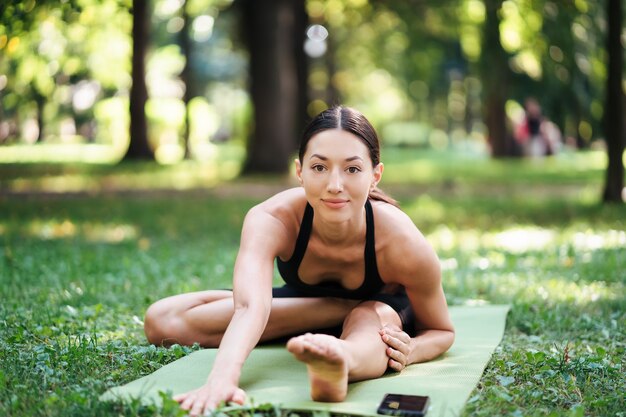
x,y
354,158
324,158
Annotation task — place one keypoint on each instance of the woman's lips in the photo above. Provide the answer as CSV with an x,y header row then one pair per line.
x,y
335,203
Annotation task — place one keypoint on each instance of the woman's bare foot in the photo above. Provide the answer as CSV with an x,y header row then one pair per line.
x,y
326,363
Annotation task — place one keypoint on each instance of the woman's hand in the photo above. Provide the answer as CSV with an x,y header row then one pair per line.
x,y
206,398
398,347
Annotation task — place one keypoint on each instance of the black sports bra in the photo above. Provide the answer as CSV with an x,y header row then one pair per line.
x,y
372,282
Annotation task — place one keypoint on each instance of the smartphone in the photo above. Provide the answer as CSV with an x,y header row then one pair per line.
x,y
404,405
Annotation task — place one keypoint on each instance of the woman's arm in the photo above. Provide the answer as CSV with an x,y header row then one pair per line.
x,y
261,240
416,267
435,332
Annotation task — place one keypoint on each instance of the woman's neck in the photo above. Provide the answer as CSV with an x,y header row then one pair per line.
x,y
340,233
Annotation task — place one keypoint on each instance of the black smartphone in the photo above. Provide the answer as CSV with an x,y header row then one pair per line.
x,y
404,405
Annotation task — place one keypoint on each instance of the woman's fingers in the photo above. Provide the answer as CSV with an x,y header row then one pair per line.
x,y
396,366
398,343
397,339
204,399
397,359
188,401
180,397
396,355
239,397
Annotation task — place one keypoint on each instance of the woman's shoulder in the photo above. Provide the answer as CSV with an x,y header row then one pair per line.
x,y
401,247
286,206
274,223
292,199
391,221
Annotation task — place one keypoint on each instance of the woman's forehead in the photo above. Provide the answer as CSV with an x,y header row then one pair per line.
x,y
337,143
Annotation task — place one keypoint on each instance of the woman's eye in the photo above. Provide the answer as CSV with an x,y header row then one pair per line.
x,y
318,168
353,170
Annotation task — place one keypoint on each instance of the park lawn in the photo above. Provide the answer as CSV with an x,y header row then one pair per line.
x,y
78,271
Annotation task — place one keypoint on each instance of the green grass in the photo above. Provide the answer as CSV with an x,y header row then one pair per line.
x,y
77,273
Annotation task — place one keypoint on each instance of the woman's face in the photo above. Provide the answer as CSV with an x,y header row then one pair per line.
x,y
337,174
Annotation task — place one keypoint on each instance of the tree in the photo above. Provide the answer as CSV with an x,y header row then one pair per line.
x,y
139,148
613,117
495,78
187,76
302,67
31,80
271,27
57,71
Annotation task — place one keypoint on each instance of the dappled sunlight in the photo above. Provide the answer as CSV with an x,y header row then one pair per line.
x,y
64,183
205,151
217,164
519,239
90,231
529,287
169,153
126,328
530,264
468,164
61,153
563,289
51,229
109,233
492,260
74,321
446,239
590,240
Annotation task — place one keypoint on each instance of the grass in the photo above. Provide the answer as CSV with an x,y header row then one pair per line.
x,y
78,271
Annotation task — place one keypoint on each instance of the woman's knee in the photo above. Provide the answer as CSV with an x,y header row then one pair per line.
x,y
156,322
375,312
174,320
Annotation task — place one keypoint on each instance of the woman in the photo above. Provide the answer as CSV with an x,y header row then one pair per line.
x,y
379,282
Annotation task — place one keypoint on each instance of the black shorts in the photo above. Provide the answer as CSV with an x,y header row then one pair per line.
x,y
398,301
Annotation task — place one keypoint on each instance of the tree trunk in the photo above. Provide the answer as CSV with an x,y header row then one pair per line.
x,y
273,84
186,75
302,67
40,100
139,147
495,78
614,100
332,93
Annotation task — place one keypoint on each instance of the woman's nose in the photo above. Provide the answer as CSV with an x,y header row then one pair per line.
x,y
335,183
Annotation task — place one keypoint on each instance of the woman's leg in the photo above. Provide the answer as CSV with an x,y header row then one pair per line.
x,y
202,317
359,354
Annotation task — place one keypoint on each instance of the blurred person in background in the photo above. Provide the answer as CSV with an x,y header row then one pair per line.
x,y
536,135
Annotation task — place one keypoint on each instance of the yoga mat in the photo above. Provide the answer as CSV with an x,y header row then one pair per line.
x,y
272,375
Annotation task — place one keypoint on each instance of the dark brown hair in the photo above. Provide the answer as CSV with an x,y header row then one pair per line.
x,y
352,121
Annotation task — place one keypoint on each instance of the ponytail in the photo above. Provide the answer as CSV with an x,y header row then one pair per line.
x,y
379,195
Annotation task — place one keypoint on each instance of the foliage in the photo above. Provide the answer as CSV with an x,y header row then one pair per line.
x,y
17,17
398,61
60,73
78,272
65,73
420,60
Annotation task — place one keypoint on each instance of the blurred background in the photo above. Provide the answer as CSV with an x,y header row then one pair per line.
x,y
104,81
136,134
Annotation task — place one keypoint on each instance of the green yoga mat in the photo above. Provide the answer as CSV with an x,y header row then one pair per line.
x,y
272,375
